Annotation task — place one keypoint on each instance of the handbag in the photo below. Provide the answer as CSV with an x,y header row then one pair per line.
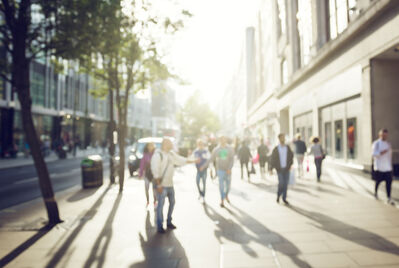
x,y
291,180
253,171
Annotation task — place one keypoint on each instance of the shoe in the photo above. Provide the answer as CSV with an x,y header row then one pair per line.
x,y
286,202
161,231
228,200
376,195
222,205
171,226
278,200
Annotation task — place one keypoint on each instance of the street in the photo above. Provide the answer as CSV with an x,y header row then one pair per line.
x,y
20,184
324,226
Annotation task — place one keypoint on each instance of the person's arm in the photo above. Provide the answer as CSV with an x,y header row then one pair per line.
x,y
231,159
376,149
142,165
210,160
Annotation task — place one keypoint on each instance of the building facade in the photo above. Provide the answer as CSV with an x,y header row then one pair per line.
x,y
327,68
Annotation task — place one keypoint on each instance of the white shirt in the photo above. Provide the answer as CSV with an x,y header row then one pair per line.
x,y
166,164
282,152
383,162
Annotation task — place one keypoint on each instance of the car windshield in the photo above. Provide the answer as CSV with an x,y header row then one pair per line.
x,y
140,147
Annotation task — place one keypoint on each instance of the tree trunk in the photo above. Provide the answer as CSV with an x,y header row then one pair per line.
x,y
121,140
22,85
111,136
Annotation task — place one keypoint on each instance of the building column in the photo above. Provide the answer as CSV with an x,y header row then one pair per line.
x,y
366,126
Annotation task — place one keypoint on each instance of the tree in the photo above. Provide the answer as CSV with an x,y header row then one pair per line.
x,y
197,118
28,30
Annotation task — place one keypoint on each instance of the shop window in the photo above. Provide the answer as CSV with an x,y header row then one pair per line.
x,y
327,137
352,138
338,139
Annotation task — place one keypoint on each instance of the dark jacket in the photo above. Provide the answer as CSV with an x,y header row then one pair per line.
x,y
244,154
275,160
300,147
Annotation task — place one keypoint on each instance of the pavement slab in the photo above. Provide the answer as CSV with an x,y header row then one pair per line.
x,y
325,226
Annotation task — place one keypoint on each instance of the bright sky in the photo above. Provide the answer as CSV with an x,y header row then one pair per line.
x,y
207,51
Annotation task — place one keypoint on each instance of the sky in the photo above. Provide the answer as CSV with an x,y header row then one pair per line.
x,y
206,52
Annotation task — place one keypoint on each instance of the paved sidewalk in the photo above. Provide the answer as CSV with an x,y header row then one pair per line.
x,y
325,226
22,161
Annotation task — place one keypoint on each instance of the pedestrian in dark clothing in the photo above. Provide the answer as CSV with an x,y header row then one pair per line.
x,y
318,154
300,150
263,152
244,154
203,155
382,163
281,159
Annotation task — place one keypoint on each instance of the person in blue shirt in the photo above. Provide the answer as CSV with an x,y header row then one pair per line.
x,y
203,155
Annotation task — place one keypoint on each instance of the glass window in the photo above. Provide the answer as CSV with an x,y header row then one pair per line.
x,y
352,138
327,137
2,90
338,139
340,11
304,17
282,16
37,84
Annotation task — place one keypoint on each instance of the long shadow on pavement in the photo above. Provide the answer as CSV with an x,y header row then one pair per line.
x,y
104,238
24,246
160,250
57,256
238,235
290,250
348,232
82,194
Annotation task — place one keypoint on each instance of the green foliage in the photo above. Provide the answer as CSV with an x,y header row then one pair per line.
x,y
196,118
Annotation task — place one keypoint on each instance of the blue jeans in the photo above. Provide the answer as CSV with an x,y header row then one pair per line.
x,y
170,193
283,177
224,183
201,175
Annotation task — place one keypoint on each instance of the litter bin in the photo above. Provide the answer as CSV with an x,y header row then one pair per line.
x,y
92,171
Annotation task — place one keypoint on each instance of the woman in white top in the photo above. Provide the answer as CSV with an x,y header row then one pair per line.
x,y
382,161
318,154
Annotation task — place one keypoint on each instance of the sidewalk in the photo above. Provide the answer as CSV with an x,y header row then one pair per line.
x,y
22,161
325,226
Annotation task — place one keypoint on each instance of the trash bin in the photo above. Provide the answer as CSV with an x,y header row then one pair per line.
x,y
92,171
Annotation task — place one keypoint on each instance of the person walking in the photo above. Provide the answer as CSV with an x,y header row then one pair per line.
x,y
319,156
244,154
203,155
163,164
263,152
382,163
281,159
300,150
145,171
224,157
212,170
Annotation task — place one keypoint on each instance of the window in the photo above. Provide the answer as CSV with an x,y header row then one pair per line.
x,y
37,84
352,138
338,139
341,12
282,16
327,137
304,17
2,90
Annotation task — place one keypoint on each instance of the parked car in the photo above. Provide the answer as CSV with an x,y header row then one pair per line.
x,y
136,153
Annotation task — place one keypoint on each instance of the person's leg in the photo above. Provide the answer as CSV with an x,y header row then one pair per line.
x,y
146,189
317,164
198,182
204,182
242,171
221,175
161,202
377,183
171,199
228,186
280,185
286,177
248,171
388,184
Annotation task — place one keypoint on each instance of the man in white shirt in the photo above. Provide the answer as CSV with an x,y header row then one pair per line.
x,y
382,161
163,164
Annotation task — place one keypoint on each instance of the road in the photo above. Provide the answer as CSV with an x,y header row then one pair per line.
x,y
20,184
